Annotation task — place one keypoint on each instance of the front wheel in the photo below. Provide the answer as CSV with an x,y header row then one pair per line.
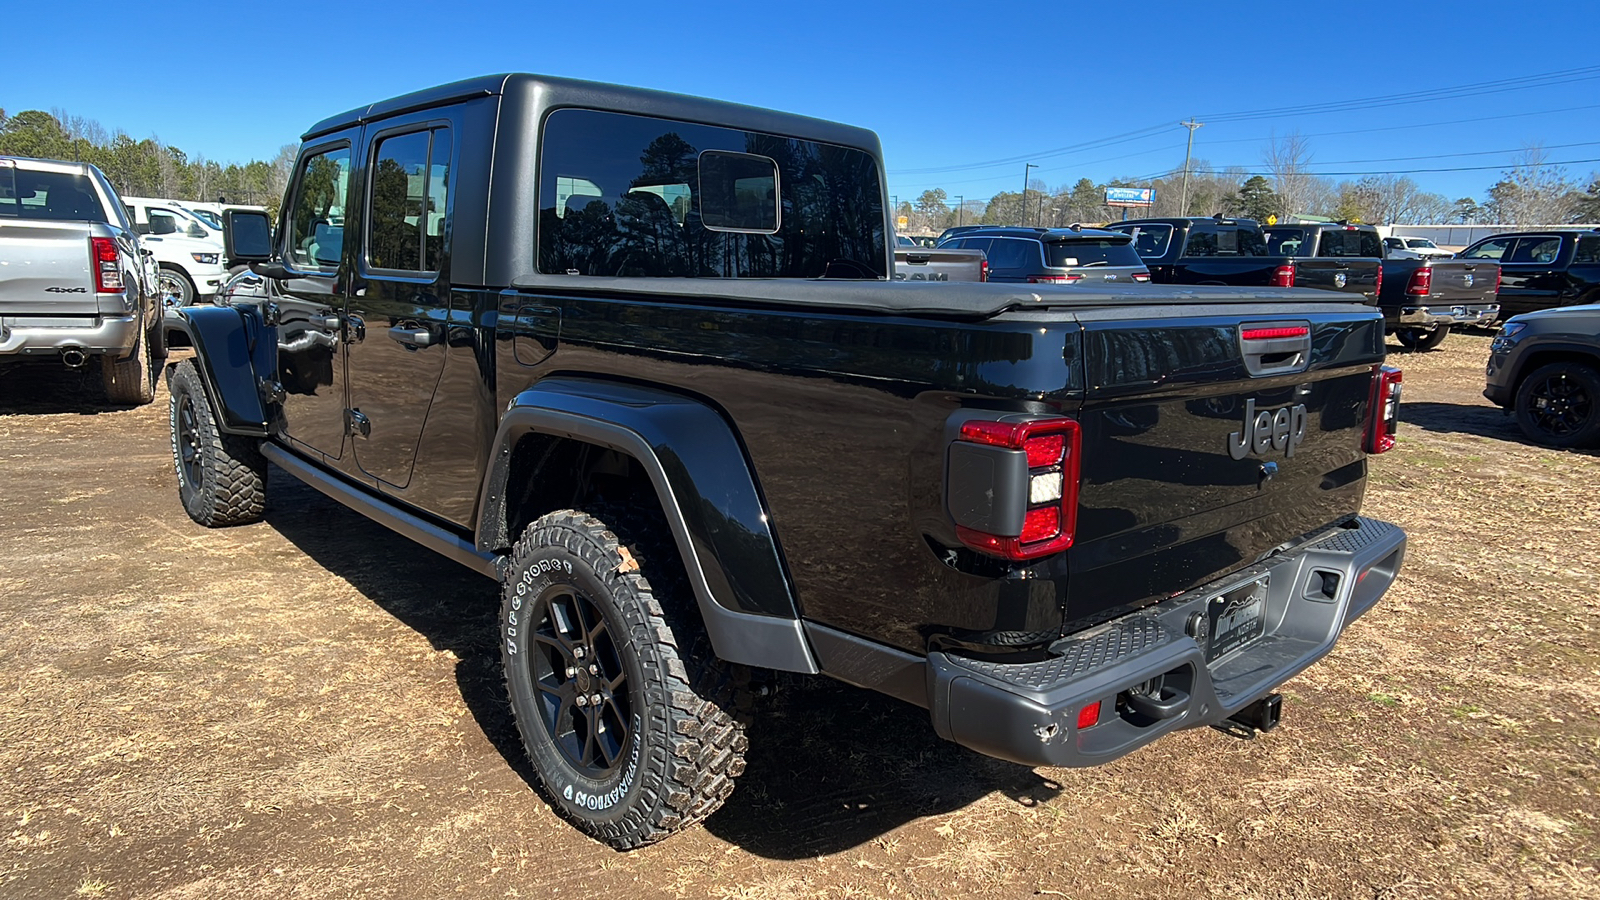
x,y
174,288
623,709
222,478
1420,339
1555,405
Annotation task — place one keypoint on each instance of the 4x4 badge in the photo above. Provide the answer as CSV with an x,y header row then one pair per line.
x,y
1282,430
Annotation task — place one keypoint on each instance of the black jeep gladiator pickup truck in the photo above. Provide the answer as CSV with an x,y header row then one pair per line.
x,y
1219,250
640,357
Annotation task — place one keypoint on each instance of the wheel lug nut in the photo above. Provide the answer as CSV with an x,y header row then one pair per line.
x,y
578,652
582,700
594,699
594,669
571,672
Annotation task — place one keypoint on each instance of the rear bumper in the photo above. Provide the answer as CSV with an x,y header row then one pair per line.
x,y
1448,315
46,336
1028,713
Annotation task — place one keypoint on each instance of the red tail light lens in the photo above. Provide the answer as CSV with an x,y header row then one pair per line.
x,y
1052,448
1142,277
1270,334
1384,414
1089,716
107,274
1377,281
1054,279
1283,276
1497,273
983,274
1421,283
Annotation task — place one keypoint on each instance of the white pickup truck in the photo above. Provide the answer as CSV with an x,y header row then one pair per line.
x,y
76,286
188,250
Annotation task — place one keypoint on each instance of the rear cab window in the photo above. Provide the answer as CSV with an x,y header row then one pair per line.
x,y
1288,242
53,196
1150,241
1347,242
637,196
1224,240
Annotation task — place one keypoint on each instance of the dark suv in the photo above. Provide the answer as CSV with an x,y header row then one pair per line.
x,y
1544,368
1542,269
1055,255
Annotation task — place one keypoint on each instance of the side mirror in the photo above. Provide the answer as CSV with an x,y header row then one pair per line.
x,y
247,236
273,270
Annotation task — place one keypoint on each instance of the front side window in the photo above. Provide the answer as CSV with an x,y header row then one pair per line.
x,y
408,201
1492,249
161,221
634,196
1588,250
316,220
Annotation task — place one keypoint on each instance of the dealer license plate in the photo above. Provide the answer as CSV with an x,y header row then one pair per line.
x,y
1236,618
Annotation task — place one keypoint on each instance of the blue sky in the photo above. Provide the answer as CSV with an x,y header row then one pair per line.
x,y
947,86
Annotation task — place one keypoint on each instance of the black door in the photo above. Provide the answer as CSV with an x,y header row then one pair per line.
x,y
311,339
402,299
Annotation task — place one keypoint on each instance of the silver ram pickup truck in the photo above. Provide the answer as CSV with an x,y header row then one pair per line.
x,y
914,263
75,285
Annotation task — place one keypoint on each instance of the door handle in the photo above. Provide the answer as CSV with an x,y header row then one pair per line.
x,y
420,337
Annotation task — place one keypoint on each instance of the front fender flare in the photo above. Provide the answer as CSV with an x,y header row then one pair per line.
x,y
706,490
230,345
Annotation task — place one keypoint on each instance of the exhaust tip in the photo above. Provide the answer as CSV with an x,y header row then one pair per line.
x,y
74,358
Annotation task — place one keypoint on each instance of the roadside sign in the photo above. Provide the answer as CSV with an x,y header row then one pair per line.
x,y
900,222
1116,196
1272,219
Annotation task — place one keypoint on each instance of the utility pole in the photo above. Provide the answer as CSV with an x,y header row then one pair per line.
x,y
1022,202
1183,201
961,209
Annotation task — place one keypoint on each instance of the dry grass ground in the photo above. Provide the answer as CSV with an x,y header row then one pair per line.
x,y
310,707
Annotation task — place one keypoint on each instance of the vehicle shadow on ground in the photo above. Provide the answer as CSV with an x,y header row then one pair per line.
x,y
830,767
1460,418
53,389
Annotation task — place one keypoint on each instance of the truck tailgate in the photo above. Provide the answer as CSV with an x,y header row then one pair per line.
x,y
1202,454
1463,281
938,265
45,269
1352,276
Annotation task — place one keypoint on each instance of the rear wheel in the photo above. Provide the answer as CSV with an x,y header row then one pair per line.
x,y
1423,338
1555,405
222,478
130,381
624,711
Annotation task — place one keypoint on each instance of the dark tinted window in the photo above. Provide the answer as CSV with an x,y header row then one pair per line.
x,y
1287,242
1536,250
1067,254
409,199
631,196
1014,253
1350,242
1588,250
56,196
1224,240
316,221
1150,240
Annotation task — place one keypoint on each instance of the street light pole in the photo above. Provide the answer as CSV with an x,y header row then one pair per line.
x,y
1022,201
1183,201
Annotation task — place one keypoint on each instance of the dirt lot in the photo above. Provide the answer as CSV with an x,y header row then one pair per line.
x,y
311,707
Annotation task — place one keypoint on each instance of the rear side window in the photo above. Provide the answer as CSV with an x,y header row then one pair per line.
x,y
1287,242
1350,242
1225,241
1588,250
316,220
1536,250
1013,253
1492,249
1068,254
54,196
409,200
636,196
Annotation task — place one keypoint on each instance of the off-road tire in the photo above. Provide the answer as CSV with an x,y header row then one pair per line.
x,y
130,381
1420,339
685,746
183,289
1572,383
222,478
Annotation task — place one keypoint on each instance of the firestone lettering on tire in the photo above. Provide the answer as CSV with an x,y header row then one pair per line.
x,y
602,802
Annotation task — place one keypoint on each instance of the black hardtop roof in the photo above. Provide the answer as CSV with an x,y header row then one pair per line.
x,y
551,92
1043,234
1185,220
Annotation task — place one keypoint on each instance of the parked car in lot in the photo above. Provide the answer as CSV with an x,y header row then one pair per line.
x,y
188,252
1544,368
1400,247
75,285
212,213
916,263
1219,250
1423,298
1313,244
1542,269
1054,255
697,433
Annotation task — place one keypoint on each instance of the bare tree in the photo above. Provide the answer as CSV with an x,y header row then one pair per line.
x,y
1289,159
1532,191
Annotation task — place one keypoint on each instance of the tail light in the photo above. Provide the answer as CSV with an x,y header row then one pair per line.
x,y
1142,277
1283,276
1421,283
107,272
1384,412
1054,279
1377,282
1036,475
1497,273
983,273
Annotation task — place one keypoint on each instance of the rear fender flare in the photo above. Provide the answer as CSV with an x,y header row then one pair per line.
x,y
706,490
230,346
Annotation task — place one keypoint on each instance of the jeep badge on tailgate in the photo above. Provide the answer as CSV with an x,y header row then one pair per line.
x,y
1281,430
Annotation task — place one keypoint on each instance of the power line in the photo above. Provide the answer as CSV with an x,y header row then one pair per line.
x,y
1411,127
1564,162
1123,138
1498,86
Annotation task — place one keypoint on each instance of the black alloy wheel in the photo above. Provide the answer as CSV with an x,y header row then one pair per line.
x,y
222,478
582,683
1555,405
